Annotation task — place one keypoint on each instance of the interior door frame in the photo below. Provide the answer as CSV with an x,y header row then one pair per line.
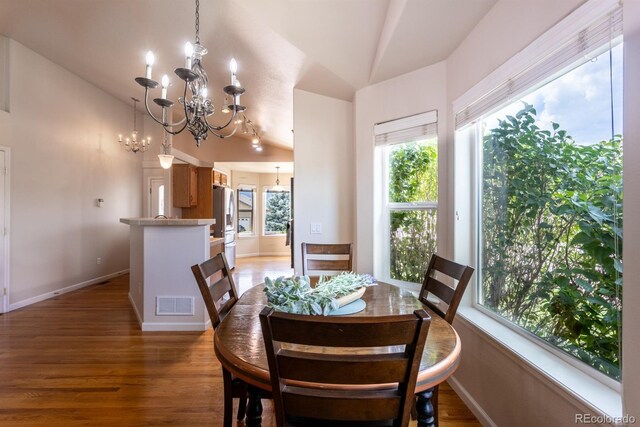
x,y
4,307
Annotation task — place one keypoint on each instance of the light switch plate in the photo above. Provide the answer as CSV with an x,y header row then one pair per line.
x,y
316,228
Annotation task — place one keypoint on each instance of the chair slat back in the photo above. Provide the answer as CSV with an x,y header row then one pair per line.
x,y
318,257
217,270
446,294
341,354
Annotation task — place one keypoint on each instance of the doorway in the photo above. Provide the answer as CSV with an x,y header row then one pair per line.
x,y
156,197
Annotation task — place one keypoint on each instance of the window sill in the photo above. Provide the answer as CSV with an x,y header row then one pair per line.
x,y
542,363
274,235
246,236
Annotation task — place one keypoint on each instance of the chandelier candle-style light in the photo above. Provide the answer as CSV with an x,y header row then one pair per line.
x,y
196,104
132,144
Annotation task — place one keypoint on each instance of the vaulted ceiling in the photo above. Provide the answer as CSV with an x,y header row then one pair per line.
x,y
330,47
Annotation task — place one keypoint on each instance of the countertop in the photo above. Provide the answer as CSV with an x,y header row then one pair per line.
x,y
216,240
167,222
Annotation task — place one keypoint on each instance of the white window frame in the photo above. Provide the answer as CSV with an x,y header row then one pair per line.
x,y
384,269
285,188
576,377
252,188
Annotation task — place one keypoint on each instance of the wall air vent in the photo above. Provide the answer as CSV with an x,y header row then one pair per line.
x,y
174,306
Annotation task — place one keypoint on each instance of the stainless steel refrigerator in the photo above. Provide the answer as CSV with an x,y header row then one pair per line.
x,y
224,211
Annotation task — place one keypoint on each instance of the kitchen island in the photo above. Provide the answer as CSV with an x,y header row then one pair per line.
x,y
162,289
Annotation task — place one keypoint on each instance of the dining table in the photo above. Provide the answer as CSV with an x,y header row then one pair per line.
x,y
239,346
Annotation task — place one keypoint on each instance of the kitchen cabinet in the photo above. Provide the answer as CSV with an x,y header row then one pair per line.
x,y
204,209
185,186
220,179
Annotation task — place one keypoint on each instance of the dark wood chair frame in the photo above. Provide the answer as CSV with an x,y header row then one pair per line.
x,y
217,269
449,296
296,372
311,264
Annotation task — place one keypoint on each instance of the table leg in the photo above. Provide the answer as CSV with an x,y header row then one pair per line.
x,y
426,416
254,408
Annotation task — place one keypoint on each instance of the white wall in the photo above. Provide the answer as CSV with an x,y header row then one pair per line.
x,y
324,169
259,245
631,296
63,135
412,93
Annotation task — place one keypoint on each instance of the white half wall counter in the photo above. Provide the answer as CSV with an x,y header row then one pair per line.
x,y
162,289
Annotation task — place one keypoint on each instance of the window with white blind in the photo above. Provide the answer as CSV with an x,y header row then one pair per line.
x,y
548,189
408,153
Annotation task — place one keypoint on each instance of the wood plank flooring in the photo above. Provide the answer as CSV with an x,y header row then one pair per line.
x,y
80,359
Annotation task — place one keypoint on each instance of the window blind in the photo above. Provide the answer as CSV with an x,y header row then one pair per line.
x,y
570,53
407,129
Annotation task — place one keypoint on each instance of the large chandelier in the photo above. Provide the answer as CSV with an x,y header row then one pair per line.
x,y
196,104
132,144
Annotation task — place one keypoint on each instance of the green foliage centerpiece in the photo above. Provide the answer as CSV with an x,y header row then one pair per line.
x,y
295,294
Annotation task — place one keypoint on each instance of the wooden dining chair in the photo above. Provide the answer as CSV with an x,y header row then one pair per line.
x,y
219,297
343,399
434,283
319,257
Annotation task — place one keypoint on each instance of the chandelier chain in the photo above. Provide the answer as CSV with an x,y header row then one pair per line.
x,y
197,21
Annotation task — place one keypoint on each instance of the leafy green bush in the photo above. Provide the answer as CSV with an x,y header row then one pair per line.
x,y
552,236
413,177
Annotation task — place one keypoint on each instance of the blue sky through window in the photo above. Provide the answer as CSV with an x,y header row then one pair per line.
x,y
580,100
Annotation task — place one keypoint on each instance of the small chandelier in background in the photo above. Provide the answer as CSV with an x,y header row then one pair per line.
x,y
166,159
132,144
196,104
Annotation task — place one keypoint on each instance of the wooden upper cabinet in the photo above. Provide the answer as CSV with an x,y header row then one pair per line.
x,y
220,178
185,186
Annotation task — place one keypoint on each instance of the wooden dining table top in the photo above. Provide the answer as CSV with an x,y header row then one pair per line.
x,y
239,345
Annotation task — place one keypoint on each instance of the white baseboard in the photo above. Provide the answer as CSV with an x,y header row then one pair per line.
x,y
175,327
471,403
247,255
258,254
46,296
135,309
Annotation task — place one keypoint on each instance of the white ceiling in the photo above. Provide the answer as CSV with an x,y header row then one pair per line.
x,y
331,47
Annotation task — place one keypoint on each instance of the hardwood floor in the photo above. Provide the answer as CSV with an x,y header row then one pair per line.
x,y
81,359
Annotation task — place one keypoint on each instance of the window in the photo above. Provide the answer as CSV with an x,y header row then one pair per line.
x,y
549,169
409,165
276,211
246,203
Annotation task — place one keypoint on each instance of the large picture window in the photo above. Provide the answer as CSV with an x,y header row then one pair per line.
x,y
550,211
276,211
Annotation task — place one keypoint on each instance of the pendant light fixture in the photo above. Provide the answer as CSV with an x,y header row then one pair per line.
x,y
277,187
132,144
166,159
